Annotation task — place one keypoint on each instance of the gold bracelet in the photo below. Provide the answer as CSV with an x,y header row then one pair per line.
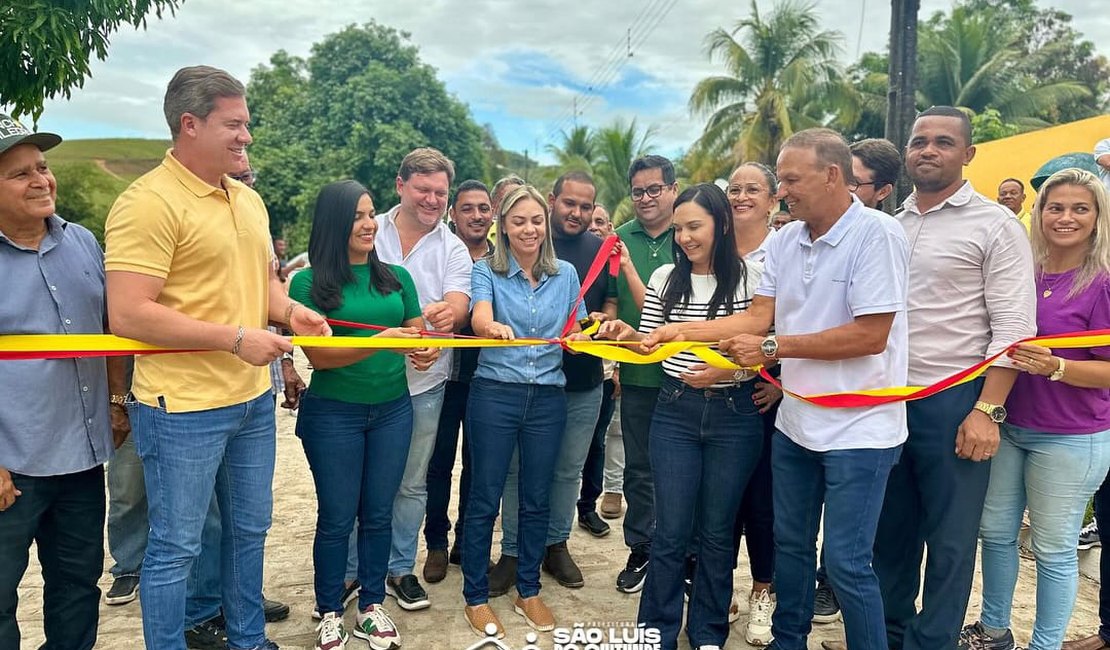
x,y
238,341
293,304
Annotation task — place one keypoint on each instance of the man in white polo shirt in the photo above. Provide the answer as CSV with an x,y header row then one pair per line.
x,y
414,235
834,285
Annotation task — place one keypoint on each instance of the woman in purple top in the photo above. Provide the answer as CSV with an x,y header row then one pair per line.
x,y
1055,448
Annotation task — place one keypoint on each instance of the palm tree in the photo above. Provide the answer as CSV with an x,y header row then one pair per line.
x,y
783,76
577,151
974,59
616,146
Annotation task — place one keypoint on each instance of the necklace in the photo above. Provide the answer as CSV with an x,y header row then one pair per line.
x,y
1048,289
655,249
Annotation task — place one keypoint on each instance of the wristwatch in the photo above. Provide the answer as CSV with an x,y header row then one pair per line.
x,y
1057,374
120,400
770,347
996,412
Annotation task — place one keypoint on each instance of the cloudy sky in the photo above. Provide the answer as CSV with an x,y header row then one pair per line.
x,y
519,65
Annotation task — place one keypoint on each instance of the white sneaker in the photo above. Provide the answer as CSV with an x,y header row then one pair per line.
x,y
377,628
760,608
709,647
330,633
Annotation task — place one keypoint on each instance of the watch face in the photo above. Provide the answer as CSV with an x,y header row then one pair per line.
x,y
998,414
769,347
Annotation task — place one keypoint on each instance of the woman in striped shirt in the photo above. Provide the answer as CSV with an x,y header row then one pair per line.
x,y
706,434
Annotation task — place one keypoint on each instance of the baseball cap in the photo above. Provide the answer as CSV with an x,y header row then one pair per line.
x,y
13,133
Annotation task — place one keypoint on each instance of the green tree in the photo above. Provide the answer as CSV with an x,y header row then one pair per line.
x,y
578,150
85,194
783,76
617,145
353,109
46,45
988,125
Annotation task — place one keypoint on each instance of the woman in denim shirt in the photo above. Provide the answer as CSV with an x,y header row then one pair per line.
x,y
706,435
516,399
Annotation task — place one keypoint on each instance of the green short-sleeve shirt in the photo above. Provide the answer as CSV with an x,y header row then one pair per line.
x,y
381,376
648,253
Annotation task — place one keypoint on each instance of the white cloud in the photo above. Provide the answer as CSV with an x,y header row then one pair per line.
x,y
467,42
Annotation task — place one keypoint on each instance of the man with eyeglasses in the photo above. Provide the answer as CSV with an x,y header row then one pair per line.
x,y
875,167
646,245
470,217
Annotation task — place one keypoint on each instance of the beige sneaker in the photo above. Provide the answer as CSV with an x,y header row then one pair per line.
x,y
611,505
760,608
483,621
535,613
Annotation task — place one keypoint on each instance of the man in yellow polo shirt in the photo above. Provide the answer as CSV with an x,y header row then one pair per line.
x,y
1011,193
188,267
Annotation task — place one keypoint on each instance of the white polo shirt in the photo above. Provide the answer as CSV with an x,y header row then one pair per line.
x,y
439,264
857,268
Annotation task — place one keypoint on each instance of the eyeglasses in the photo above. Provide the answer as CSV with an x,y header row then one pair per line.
x,y
856,185
736,191
246,177
652,191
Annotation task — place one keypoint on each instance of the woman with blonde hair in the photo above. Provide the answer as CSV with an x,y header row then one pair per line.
x,y
516,400
1055,446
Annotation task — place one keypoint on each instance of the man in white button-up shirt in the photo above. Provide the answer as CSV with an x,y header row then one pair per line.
x,y
414,235
834,285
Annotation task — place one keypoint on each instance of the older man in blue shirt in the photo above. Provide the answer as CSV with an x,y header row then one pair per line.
x,y
56,429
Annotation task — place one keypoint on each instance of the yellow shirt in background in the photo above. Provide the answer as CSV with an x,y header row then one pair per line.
x,y
212,247
1026,220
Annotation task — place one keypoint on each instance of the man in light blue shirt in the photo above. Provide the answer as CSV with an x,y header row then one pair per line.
x,y
56,428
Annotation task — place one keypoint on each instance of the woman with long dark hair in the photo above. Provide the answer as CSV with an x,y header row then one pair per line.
x,y
356,418
706,435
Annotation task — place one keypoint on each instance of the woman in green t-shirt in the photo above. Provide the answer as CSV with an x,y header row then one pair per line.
x,y
356,419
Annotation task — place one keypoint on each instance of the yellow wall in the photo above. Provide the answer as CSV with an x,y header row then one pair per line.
x,y
1020,156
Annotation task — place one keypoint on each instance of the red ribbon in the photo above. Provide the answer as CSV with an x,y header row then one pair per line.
x,y
608,253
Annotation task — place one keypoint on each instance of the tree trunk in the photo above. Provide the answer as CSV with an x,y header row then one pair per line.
x,y
901,109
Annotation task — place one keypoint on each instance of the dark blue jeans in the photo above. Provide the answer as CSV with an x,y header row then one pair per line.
x,y
501,417
850,483
755,522
933,498
64,516
593,472
357,454
705,445
1102,514
453,414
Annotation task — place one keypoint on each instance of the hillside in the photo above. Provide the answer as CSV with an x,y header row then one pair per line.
x,y
122,158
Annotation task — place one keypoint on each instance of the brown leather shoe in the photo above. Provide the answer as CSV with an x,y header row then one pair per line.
x,y
1093,642
611,506
834,645
502,576
480,618
535,613
558,562
435,567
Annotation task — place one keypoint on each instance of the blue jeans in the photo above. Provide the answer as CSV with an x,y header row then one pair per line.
x,y
851,484
357,454
64,516
186,456
581,419
705,444
503,417
1054,475
442,465
412,497
933,497
127,522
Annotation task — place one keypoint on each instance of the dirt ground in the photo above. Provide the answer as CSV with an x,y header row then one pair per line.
x,y
289,579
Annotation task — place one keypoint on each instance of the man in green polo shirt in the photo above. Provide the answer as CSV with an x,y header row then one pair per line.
x,y
647,245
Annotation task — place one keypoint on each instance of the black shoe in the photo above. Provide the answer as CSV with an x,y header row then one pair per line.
x,y
631,579
502,576
826,608
455,556
408,592
975,637
558,562
124,590
209,635
350,594
273,610
593,524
